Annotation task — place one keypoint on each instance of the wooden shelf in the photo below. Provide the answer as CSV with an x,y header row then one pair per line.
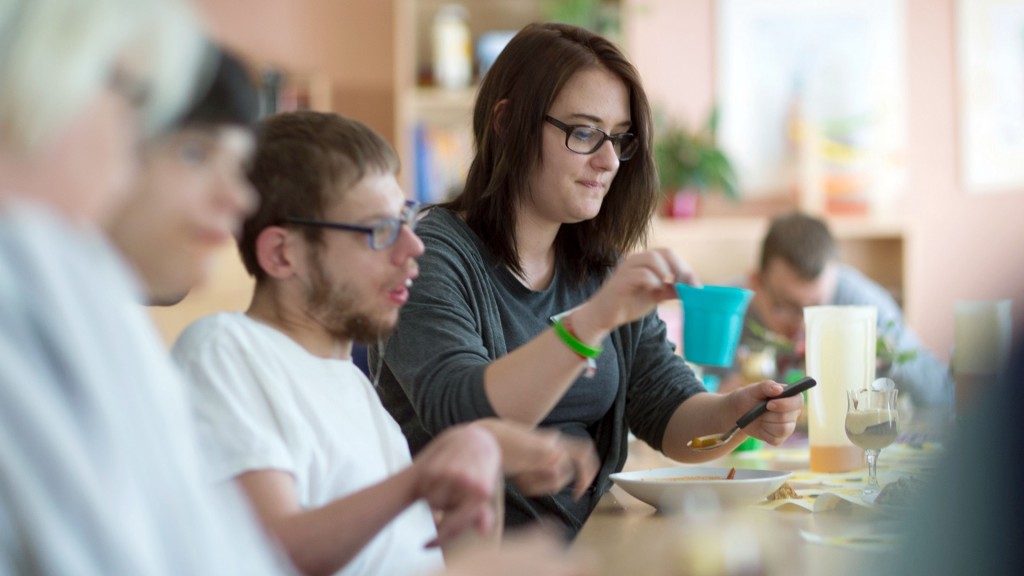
x,y
285,91
442,107
853,228
484,16
754,227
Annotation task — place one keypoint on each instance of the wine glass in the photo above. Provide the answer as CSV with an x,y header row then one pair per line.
x,y
872,423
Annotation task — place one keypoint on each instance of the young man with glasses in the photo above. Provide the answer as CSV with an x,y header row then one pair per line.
x,y
799,267
285,412
531,305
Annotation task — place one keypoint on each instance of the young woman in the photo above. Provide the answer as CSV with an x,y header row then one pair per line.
x,y
531,304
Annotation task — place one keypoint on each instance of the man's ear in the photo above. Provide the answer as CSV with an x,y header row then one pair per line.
x,y
275,252
754,280
499,117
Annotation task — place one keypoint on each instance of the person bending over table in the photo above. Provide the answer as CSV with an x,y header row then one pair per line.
x,y
800,267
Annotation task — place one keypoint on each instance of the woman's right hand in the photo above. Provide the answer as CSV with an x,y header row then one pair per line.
x,y
639,283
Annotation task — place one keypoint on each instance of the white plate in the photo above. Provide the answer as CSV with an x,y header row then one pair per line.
x,y
667,488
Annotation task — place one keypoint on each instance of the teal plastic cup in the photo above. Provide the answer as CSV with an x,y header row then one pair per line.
x,y
712,322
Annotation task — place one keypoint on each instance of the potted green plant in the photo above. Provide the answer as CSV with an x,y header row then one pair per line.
x,y
601,16
690,164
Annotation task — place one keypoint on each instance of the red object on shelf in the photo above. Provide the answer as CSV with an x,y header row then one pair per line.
x,y
681,204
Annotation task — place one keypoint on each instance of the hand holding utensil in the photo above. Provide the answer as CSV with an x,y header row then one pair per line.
x,y
712,441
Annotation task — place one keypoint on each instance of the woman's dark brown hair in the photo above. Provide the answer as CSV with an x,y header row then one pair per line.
x,y
526,78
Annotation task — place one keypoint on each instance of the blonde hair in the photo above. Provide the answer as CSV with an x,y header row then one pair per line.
x,y
56,55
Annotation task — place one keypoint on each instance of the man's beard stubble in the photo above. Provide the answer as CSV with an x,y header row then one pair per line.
x,y
338,309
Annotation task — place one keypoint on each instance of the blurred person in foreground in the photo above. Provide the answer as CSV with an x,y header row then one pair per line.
x,y
99,469
284,411
800,267
192,192
967,518
532,305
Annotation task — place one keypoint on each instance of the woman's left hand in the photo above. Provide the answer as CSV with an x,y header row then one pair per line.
x,y
778,423
638,284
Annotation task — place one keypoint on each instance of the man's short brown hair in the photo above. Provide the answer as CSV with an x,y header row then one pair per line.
x,y
801,241
304,162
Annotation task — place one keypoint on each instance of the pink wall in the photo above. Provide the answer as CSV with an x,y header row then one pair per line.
x,y
672,44
961,245
310,35
958,246
270,31
351,42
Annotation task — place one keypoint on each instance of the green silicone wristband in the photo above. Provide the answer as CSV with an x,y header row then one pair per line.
x,y
573,343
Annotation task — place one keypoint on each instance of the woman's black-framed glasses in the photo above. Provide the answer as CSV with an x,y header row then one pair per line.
x,y
383,233
588,139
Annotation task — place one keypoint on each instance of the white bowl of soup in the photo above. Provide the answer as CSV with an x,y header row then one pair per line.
x,y
673,488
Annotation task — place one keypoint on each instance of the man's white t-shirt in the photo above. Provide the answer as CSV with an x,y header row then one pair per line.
x,y
264,402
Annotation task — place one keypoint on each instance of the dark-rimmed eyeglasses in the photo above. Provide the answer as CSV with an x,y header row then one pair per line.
x,y
383,233
588,139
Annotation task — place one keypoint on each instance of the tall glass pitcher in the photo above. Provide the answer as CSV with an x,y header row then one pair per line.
x,y
841,344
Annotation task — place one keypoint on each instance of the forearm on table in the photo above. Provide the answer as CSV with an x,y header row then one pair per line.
x,y
325,539
701,414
